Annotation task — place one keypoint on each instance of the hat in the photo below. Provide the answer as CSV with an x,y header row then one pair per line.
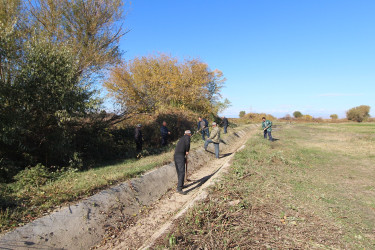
x,y
214,124
187,132
139,125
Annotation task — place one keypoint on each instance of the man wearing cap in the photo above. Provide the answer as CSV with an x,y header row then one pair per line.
x,y
138,138
180,154
214,138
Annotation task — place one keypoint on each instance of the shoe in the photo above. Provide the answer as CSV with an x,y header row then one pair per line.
x,y
181,192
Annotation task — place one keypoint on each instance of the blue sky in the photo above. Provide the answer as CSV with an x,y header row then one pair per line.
x,y
314,56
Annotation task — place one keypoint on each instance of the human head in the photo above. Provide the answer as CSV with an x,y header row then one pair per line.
x,y
164,123
200,118
263,118
188,132
214,124
139,125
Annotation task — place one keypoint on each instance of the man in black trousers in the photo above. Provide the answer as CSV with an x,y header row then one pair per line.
x,y
180,154
225,124
138,138
164,134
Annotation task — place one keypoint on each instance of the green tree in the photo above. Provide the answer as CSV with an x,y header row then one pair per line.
x,y
334,116
49,51
359,113
42,106
242,114
297,114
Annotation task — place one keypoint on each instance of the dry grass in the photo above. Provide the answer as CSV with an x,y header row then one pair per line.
x,y
311,189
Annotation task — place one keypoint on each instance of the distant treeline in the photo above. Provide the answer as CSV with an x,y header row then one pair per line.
x,y
357,114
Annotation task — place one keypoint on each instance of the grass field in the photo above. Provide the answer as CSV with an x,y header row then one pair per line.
x,y
313,188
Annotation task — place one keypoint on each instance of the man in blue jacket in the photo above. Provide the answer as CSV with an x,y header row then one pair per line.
x,y
267,128
164,134
203,127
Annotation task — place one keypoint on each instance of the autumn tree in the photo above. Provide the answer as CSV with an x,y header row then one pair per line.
x,y
12,29
334,116
91,28
359,113
150,83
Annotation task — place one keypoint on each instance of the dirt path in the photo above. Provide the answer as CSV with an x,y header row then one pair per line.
x,y
156,220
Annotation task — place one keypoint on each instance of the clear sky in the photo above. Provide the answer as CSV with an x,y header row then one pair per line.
x,y
278,56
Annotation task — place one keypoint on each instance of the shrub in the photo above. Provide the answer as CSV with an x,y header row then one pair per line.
x,y
359,113
307,117
242,114
287,117
32,177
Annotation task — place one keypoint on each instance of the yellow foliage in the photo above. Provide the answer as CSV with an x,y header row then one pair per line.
x,y
307,117
148,84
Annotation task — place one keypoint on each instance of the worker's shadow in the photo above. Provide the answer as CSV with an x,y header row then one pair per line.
x,y
198,183
222,141
222,156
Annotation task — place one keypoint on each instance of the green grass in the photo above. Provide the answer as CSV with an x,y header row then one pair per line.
x,y
314,188
23,204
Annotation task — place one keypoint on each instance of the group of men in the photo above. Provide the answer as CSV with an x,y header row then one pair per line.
x,y
164,132
183,147
183,144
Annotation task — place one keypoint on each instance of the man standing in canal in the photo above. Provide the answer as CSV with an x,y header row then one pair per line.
x,y
180,154
203,127
214,138
267,128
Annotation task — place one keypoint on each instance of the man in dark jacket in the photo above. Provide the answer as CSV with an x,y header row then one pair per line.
x,y
180,154
225,124
138,138
203,128
164,134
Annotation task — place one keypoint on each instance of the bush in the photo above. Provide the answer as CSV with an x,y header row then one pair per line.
x,y
359,113
255,117
307,118
32,177
242,114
